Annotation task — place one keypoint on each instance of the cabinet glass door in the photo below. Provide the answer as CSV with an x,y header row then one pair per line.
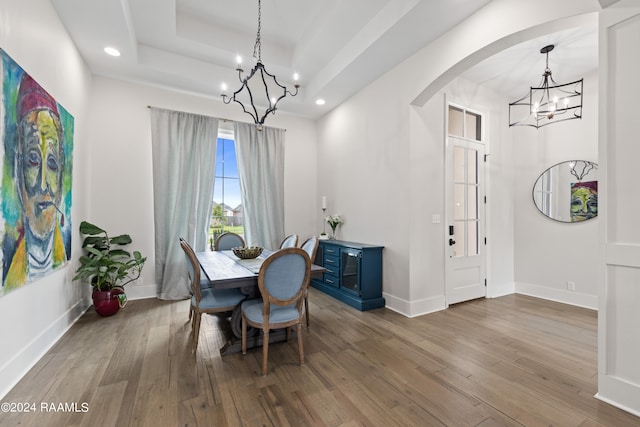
x,y
350,279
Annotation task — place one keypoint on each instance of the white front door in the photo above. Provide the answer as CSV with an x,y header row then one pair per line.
x,y
465,203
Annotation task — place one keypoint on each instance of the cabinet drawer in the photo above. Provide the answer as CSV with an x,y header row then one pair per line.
x,y
332,281
330,250
333,263
332,271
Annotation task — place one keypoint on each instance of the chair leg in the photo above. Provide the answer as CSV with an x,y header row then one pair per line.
x,y
190,312
244,335
196,330
300,349
306,309
265,349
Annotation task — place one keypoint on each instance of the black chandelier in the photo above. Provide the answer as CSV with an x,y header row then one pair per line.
x,y
549,103
265,89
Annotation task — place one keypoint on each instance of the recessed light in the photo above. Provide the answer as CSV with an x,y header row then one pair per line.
x,y
112,51
320,101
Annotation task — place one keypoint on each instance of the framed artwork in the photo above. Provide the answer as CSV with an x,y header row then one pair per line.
x,y
584,200
37,153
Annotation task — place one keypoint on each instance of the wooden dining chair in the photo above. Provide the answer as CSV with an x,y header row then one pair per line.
x,y
227,241
282,281
291,241
209,300
310,246
204,282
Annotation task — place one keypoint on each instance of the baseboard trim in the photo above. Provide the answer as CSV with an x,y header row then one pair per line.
x,y
141,291
18,366
619,393
559,295
496,291
412,309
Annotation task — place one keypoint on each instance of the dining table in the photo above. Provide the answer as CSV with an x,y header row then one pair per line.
x,y
225,270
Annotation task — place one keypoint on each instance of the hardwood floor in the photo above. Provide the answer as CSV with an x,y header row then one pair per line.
x,y
510,361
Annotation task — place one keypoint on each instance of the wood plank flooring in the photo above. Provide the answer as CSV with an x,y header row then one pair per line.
x,y
510,361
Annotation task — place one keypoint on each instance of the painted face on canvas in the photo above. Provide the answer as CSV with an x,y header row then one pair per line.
x,y
584,204
41,170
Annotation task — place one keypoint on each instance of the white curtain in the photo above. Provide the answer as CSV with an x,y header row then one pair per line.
x,y
184,158
260,156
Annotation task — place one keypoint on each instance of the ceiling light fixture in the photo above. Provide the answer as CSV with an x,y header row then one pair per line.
x,y
265,84
549,103
112,51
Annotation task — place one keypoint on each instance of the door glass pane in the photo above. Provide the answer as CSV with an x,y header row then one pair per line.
x,y
458,164
456,125
458,236
473,126
472,202
472,166
472,238
458,201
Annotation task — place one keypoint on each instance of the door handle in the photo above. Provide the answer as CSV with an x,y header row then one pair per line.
x,y
452,242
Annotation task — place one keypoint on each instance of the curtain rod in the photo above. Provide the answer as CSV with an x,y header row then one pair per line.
x,y
204,115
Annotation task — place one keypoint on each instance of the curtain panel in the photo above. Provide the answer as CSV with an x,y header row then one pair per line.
x,y
184,157
260,156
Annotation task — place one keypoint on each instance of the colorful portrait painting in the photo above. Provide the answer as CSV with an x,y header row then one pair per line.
x,y
584,200
37,146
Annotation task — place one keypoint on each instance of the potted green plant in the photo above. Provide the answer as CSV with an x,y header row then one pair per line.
x,y
108,267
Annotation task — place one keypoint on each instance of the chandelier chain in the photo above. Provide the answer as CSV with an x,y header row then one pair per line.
x,y
257,48
547,69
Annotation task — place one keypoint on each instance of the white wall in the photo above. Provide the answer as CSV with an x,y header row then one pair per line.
x,y
376,154
427,185
120,134
363,167
384,140
36,315
619,298
548,253
412,280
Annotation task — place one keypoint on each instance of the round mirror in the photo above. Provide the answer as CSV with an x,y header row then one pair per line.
x,y
568,191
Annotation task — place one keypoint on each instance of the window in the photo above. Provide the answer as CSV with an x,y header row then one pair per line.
x,y
227,212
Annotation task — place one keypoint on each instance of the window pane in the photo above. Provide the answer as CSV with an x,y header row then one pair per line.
x,y
473,122
227,212
232,192
220,157
217,190
455,122
226,164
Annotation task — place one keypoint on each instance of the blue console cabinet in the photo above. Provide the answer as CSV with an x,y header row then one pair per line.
x,y
354,273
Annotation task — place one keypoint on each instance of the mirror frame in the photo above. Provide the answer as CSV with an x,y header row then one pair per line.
x,y
594,165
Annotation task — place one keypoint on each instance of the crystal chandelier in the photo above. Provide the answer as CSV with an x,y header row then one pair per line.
x,y
258,97
549,103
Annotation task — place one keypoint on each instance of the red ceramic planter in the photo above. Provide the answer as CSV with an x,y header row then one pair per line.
x,y
107,303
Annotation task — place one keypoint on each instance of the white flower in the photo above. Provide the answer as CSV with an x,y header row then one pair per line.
x,y
334,221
